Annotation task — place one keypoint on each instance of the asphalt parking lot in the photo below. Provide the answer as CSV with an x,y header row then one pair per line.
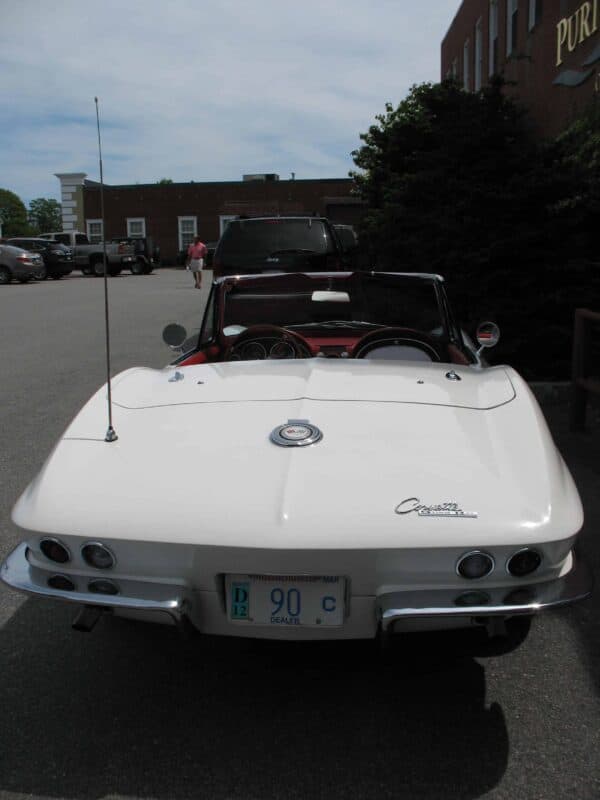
x,y
134,711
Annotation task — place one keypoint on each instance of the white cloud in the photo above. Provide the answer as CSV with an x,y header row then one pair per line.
x,y
209,90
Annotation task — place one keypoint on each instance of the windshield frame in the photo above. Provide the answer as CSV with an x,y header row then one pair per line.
x,y
211,333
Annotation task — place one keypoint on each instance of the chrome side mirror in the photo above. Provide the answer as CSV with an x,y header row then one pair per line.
x,y
174,335
488,335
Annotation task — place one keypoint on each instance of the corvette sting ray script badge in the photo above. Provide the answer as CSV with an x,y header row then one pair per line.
x,y
439,510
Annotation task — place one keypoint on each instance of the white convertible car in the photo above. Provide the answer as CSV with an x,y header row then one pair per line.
x,y
329,459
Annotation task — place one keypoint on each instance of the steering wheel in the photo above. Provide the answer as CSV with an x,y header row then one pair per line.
x,y
404,337
257,334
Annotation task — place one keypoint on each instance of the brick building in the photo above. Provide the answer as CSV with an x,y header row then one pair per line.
x,y
549,50
172,214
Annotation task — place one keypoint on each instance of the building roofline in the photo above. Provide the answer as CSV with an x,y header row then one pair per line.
x,y
214,183
454,18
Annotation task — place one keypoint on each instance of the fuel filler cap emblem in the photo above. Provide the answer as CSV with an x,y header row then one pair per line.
x,y
296,433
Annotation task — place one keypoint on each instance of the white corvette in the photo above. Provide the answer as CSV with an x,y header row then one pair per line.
x,y
330,459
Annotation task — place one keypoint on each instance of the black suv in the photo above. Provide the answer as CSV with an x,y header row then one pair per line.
x,y
57,257
251,245
147,253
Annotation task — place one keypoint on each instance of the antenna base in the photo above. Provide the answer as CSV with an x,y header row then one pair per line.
x,y
111,436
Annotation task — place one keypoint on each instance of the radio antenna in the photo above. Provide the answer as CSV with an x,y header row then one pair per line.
x,y
111,436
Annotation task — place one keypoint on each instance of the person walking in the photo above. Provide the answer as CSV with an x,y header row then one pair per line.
x,y
195,260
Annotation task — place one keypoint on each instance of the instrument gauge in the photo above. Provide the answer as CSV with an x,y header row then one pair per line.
x,y
253,351
282,349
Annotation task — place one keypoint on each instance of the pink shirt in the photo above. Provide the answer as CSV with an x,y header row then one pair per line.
x,y
197,250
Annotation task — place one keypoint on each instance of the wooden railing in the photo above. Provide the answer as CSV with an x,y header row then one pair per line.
x,y
583,382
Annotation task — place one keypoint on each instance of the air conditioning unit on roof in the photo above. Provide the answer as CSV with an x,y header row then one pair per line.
x,y
264,176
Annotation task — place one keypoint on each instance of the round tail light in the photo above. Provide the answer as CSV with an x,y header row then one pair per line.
x,y
103,587
472,599
97,555
61,582
524,562
55,550
475,565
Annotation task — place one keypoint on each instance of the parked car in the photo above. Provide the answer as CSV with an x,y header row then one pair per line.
x,y
57,258
18,264
363,473
147,254
257,245
89,258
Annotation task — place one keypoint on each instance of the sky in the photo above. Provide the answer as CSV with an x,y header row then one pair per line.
x,y
202,90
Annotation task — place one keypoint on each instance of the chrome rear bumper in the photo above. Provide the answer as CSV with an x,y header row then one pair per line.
x,y
477,601
18,573
468,602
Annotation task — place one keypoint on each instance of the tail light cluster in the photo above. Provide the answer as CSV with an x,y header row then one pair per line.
x,y
94,554
477,564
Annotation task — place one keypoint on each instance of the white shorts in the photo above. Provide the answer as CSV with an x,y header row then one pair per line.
x,y
196,264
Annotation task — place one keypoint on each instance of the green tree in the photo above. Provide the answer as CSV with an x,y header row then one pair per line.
x,y
13,214
446,175
164,181
45,215
455,183
577,158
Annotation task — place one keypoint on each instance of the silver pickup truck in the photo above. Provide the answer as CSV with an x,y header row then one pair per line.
x,y
89,258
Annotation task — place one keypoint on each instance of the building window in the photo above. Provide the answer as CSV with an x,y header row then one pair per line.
x,y
478,54
224,220
535,13
136,227
187,230
493,48
94,230
466,66
512,12
454,69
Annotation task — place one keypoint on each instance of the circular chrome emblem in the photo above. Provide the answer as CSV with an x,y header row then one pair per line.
x,y
296,434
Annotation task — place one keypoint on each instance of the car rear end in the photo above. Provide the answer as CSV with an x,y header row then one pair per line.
x,y
59,260
277,244
18,264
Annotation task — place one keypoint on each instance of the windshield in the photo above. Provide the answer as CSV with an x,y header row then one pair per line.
x,y
358,300
271,237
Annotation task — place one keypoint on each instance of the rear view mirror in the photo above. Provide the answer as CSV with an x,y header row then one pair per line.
x,y
488,335
174,335
330,297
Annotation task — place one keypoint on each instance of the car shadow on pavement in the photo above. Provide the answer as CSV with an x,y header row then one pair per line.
x,y
581,451
136,710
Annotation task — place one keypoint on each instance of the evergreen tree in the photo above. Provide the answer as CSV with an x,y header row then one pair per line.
x,y
13,214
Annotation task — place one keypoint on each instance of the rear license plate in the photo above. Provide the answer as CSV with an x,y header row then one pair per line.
x,y
288,600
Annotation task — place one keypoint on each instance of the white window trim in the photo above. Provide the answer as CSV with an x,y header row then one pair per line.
x,y
493,34
223,220
467,65
511,7
88,225
478,76
180,232
532,10
136,235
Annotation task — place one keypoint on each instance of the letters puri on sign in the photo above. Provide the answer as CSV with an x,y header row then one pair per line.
x,y
574,30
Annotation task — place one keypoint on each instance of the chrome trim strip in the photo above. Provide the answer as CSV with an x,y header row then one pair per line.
x,y
571,588
18,573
